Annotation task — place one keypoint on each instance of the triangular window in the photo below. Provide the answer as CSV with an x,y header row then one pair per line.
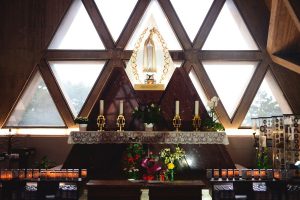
x,y
269,101
155,17
115,23
36,107
189,11
76,79
230,79
76,30
229,31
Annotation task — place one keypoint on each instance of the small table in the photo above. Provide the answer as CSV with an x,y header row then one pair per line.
x,y
131,190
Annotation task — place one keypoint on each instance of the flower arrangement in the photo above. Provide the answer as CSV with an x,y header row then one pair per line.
x,y
133,158
81,120
169,158
149,113
212,123
152,165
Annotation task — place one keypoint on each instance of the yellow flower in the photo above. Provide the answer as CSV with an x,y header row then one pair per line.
x,y
171,166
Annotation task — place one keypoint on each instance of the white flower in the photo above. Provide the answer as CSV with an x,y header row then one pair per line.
x,y
211,104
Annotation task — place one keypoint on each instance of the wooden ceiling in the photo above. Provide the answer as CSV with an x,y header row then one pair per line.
x,y
28,27
284,33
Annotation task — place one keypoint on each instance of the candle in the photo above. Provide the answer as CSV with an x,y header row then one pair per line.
x,y
216,173
236,173
177,108
263,141
83,173
101,107
196,108
224,173
230,173
256,173
121,107
262,174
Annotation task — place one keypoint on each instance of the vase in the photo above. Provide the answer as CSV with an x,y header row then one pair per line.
x,y
171,171
149,127
82,127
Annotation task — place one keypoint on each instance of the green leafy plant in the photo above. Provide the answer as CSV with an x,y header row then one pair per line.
x,y
45,163
149,113
212,123
81,120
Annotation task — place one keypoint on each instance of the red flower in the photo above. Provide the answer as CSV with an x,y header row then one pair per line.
x,y
137,156
130,160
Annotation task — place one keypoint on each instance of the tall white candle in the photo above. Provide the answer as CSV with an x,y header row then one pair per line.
x,y
177,108
101,107
121,107
196,108
263,141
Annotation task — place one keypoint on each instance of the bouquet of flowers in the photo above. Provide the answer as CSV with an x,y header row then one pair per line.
x,y
133,158
169,158
149,113
212,122
152,165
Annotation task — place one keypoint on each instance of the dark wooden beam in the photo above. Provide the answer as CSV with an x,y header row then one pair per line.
x,y
176,24
132,23
230,55
56,94
208,23
77,54
97,89
250,93
210,92
99,23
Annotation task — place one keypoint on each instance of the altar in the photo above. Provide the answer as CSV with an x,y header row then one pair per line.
x,y
102,152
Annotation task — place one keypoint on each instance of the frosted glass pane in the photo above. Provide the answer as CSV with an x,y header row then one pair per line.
x,y
230,79
229,31
115,20
76,31
36,107
199,88
269,101
154,16
192,14
76,79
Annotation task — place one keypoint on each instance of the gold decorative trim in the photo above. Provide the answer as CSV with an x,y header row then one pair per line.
x,y
167,58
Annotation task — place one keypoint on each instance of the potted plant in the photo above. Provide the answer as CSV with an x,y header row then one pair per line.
x,y
149,114
82,121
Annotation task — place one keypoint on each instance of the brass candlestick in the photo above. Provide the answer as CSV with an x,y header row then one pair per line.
x,y
120,122
101,122
196,122
177,122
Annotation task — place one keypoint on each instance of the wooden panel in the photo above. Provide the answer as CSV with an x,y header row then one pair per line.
x,y
286,63
26,28
255,14
290,86
117,87
180,88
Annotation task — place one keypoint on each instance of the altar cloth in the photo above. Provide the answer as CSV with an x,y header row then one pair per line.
x,y
149,137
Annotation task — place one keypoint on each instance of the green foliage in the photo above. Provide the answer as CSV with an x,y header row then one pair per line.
x,y
211,123
149,113
45,163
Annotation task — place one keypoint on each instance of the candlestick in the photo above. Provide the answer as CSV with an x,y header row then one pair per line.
x,y
120,122
177,122
177,108
196,108
121,107
101,107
